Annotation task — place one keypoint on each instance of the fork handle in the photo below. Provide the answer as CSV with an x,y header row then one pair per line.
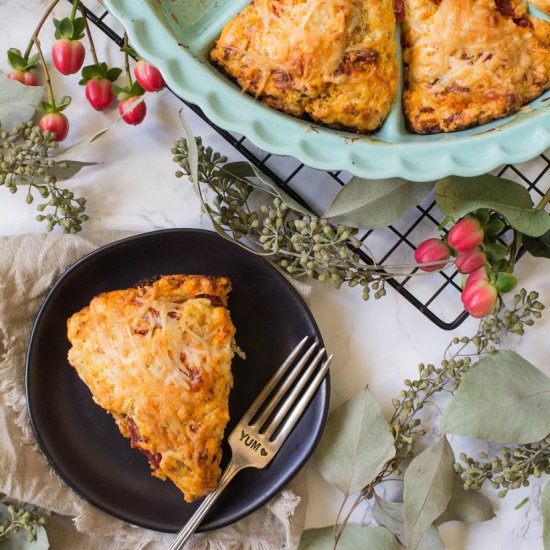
x,y
194,521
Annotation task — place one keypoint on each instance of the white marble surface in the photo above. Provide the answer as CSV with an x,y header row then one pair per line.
x,y
376,343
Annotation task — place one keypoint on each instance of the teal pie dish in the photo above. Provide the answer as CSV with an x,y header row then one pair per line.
x,y
177,35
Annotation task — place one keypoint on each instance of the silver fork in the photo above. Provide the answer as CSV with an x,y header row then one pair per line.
x,y
263,429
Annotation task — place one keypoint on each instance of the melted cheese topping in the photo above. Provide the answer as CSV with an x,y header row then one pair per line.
x,y
158,359
472,60
331,60
542,5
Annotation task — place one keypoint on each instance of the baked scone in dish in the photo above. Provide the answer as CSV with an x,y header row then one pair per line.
x,y
468,62
158,358
332,61
542,5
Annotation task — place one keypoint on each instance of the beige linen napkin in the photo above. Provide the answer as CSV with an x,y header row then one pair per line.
x,y
29,265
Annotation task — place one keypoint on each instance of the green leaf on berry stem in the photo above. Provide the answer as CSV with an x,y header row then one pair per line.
x,y
65,29
538,246
494,227
505,282
113,74
17,102
63,103
15,59
457,196
130,51
518,411
79,25
496,251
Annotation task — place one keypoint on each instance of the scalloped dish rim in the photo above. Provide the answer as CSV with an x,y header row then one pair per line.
x,y
510,140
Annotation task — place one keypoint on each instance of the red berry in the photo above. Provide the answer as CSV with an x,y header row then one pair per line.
x,y
56,123
28,78
477,275
479,298
470,260
148,77
432,250
99,93
68,55
132,115
466,234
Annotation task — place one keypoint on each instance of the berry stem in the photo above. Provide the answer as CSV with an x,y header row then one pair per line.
x,y
514,251
545,200
89,34
127,61
38,27
73,10
51,97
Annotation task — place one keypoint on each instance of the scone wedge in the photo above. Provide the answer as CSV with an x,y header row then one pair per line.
x,y
468,62
158,358
330,61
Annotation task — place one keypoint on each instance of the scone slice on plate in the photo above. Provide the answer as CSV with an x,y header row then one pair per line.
x,y
158,358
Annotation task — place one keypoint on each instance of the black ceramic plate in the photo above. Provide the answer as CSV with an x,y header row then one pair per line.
x,y
82,442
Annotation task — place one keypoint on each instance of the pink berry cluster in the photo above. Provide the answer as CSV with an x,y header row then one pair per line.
x,y
68,54
471,245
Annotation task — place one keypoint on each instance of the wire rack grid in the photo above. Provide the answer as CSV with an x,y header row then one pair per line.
x,y
436,295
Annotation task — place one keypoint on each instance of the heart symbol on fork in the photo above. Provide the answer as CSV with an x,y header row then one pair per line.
x,y
263,452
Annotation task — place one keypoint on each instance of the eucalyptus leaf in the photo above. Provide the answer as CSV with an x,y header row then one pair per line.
x,y
457,196
518,410
73,167
371,204
353,538
80,146
17,102
428,490
390,515
545,512
538,246
356,445
245,170
19,541
466,506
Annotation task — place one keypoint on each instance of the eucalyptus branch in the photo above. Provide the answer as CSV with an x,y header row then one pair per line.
x,y
301,244
21,519
510,469
25,162
516,465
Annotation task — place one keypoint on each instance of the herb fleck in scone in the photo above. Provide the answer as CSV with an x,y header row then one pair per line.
x,y
332,61
158,358
469,62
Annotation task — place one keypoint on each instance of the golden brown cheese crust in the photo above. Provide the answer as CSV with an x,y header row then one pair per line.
x,y
469,62
158,358
542,5
333,61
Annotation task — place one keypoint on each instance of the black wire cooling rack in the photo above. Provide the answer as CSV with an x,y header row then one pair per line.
x,y
435,295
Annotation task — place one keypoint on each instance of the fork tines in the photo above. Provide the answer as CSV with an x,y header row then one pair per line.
x,y
280,405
